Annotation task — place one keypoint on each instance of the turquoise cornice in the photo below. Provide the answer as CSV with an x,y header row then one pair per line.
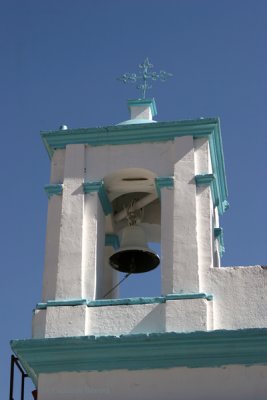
x,y
142,351
144,102
163,181
204,179
218,233
53,189
127,301
111,239
150,132
98,186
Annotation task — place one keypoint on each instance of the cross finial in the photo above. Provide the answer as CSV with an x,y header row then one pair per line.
x,y
144,76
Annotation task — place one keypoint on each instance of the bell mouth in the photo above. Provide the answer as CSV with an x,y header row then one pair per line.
x,y
134,261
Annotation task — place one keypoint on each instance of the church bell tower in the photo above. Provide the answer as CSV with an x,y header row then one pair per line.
x,y
113,190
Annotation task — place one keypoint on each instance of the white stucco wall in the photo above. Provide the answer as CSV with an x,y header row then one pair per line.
x,y
240,296
76,262
173,316
231,382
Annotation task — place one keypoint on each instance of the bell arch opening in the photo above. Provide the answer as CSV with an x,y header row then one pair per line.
x,y
135,226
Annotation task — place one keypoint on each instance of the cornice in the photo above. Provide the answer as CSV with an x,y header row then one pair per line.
x,y
149,132
143,351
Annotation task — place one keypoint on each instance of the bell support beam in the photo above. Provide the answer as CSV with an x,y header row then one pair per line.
x,y
137,206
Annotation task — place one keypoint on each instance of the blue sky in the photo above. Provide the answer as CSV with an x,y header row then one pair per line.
x,y
59,61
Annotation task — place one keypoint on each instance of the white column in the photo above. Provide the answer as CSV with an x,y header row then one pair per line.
x,y
180,253
205,235
53,228
166,240
52,248
69,268
94,243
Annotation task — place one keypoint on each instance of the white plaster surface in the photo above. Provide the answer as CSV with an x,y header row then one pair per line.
x,y
232,383
240,296
76,263
52,247
185,252
59,322
172,316
69,268
93,246
57,166
154,157
141,112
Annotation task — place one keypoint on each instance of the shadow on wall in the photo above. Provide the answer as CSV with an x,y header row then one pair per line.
x,y
154,322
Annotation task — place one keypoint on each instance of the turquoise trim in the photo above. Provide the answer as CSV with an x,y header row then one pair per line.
x,y
184,296
144,102
148,300
127,301
111,239
218,233
204,179
142,351
57,303
159,132
53,189
163,181
98,186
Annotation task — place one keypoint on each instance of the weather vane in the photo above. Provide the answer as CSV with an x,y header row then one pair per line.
x,y
144,76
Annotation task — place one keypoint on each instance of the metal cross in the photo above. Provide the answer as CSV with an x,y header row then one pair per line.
x,y
144,76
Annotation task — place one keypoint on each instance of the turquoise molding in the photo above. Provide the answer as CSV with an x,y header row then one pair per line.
x,y
204,179
53,189
60,303
163,181
142,351
144,102
210,179
111,239
140,133
218,233
148,300
127,301
98,186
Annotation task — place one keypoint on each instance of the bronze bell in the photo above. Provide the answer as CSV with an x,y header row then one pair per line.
x,y
134,256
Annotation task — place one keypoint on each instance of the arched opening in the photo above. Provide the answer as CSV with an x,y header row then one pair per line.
x,y
133,195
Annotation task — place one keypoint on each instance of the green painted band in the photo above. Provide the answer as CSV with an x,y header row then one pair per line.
x,y
163,182
111,239
143,351
99,187
204,179
218,233
53,189
127,301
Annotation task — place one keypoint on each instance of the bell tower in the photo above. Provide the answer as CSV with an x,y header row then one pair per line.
x,y
113,190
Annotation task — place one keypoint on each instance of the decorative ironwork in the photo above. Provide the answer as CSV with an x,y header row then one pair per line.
x,y
144,77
